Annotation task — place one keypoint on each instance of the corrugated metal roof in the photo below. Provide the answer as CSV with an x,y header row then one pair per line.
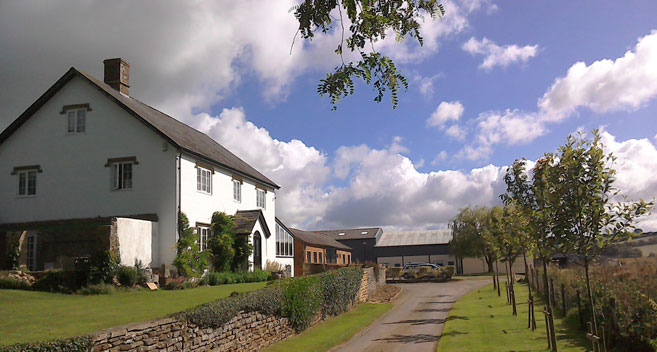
x,y
414,238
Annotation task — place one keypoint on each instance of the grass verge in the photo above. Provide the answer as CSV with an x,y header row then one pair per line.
x,y
482,321
29,316
332,331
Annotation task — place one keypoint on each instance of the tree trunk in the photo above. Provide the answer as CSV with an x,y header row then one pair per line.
x,y
489,262
553,336
531,323
497,277
590,294
512,292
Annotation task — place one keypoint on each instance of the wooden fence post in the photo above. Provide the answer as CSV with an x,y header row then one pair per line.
x,y
563,299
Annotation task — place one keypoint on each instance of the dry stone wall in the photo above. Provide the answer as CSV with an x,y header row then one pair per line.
x,y
245,332
248,331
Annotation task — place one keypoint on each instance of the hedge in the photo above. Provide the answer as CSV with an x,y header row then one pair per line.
x,y
300,299
75,344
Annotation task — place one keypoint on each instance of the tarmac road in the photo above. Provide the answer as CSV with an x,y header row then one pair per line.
x,y
417,320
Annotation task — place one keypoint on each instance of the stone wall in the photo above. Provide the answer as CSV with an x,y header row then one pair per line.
x,y
250,331
246,332
371,282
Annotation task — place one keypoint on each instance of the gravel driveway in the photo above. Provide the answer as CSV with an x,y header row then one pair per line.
x,y
417,320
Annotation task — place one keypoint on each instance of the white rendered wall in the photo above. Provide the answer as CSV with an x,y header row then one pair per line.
x,y
75,182
135,238
199,206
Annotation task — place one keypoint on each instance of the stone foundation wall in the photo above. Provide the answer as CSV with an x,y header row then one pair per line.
x,y
246,332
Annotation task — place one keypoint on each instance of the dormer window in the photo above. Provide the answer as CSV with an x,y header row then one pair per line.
x,y
364,233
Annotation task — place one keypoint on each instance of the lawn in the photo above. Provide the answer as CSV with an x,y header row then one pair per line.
x,y
482,321
332,331
35,316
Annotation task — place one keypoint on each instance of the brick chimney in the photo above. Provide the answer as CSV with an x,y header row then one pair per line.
x,y
117,74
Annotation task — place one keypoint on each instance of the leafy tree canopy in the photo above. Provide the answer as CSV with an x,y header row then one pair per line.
x,y
368,22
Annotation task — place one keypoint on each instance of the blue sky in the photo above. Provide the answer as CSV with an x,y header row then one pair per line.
x,y
367,164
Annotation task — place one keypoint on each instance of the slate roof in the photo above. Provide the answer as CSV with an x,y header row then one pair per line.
x,y
177,133
317,239
414,238
245,220
350,234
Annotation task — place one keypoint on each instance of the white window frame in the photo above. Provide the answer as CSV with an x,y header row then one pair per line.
x,y
237,191
204,233
31,252
25,175
261,198
284,242
76,121
118,173
203,180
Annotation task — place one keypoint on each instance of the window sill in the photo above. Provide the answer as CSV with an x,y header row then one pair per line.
x,y
75,133
284,256
122,190
203,192
237,201
28,196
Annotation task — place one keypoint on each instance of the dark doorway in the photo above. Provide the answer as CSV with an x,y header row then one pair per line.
x,y
257,250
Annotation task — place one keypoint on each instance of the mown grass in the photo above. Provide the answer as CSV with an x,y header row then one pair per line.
x,y
482,321
332,331
36,316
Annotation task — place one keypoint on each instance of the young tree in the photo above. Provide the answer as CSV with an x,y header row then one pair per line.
x,y
531,197
190,260
363,23
589,212
221,242
469,228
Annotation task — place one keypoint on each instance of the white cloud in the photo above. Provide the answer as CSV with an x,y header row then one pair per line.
x,y
433,32
456,132
446,111
380,187
625,83
440,157
397,147
426,84
495,55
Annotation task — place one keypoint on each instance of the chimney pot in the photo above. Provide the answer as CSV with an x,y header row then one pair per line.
x,y
117,74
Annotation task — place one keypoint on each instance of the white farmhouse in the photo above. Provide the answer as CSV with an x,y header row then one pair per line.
x,y
88,167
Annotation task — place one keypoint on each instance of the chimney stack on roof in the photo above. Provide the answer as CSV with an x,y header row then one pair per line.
x,y
117,74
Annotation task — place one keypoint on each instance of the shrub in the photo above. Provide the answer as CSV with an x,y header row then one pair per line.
x,y
340,290
97,289
423,272
142,273
222,278
57,281
217,313
13,252
410,274
190,261
303,297
13,284
102,266
274,266
221,242
126,276
393,273
75,344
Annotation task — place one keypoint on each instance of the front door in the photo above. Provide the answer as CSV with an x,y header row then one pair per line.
x,y
257,250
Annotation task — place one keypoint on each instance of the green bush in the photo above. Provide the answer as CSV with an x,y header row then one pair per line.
x,y
13,284
190,260
102,267
142,273
97,289
223,278
340,290
75,344
300,299
57,281
393,273
217,313
13,252
303,297
126,276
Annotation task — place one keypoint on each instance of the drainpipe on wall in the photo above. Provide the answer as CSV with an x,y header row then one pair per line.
x,y
179,201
